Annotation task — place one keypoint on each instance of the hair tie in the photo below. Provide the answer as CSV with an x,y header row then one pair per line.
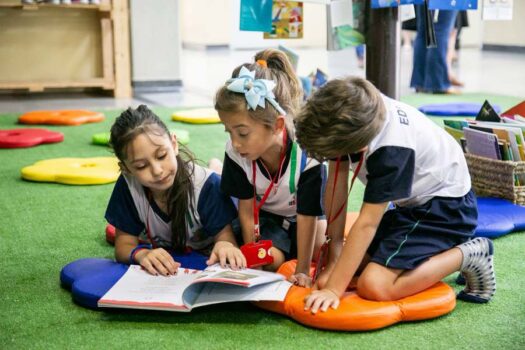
x,y
262,63
256,91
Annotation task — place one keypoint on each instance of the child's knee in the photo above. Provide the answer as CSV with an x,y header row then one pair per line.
x,y
371,288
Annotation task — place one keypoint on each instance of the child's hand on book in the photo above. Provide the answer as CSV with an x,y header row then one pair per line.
x,y
226,253
301,279
157,261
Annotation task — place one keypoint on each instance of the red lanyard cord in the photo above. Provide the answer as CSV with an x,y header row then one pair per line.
x,y
274,179
323,251
331,219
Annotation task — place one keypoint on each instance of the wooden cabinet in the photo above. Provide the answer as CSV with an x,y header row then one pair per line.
x,y
46,46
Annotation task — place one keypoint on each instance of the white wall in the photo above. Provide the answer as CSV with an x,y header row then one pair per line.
x,y
472,36
155,40
511,33
206,22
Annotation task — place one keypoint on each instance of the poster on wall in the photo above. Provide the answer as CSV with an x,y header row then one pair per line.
x,y
287,20
497,10
255,15
453,4
346,30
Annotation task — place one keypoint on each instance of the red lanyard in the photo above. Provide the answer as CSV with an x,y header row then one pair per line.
x,y
323,251
274,179
331,219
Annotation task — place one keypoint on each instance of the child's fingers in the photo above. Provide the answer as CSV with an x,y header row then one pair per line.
x,y
316,304
242,260
223,258
304,281
308,301
146,264
168,262
236,259
326,304
159,266
212,260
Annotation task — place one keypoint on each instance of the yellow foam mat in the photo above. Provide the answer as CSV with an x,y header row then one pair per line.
x,y
74,171
197,116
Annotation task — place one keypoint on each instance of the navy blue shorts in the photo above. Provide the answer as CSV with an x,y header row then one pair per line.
x,y
407,237
282,233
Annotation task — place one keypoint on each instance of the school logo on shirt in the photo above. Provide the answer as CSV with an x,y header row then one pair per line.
x,y
402,115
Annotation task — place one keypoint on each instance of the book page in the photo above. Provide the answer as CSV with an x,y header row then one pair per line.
x,y
214,293
138,289
244,277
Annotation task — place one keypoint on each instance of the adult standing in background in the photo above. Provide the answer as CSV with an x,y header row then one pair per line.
x,y
430,70
454,45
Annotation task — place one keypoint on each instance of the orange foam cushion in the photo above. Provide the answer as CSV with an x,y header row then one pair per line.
x,y
61,117
357,314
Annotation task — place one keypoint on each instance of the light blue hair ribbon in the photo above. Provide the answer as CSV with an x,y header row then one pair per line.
x,y
254,90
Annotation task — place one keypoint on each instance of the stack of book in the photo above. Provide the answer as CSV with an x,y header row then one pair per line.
x,y
493,136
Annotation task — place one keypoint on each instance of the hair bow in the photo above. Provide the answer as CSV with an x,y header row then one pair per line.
x,y
254,90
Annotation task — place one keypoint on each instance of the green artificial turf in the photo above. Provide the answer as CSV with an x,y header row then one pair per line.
x,y
45,226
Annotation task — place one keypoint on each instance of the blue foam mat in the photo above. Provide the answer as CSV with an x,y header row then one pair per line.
x,y
90,278
466,109
497,217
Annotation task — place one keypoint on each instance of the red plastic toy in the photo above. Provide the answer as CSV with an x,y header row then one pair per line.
x,y
257,253
20,138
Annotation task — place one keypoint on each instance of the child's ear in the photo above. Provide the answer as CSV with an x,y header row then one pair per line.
x,y
280,124
123,167
175,144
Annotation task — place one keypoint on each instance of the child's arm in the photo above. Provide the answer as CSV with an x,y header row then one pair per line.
x,y
352,254
331,206
226,250
246,219
306,226
154,261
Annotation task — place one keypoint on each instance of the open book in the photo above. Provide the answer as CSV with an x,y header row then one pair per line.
x,y
137,289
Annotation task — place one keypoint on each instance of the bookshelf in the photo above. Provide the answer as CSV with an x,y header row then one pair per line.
x,y
45,46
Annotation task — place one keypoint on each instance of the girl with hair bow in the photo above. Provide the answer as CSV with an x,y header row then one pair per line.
x,y
278,186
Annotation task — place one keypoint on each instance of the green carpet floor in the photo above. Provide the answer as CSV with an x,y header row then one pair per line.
x,y
45,226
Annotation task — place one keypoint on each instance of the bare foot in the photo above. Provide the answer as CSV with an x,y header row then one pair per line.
x,y
455,82
449,91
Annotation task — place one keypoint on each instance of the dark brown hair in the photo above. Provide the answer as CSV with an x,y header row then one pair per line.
x,y
126,128
342,117
288,91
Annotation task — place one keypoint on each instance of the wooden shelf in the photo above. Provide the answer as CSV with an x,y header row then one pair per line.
x,y
38,86
46,46
33,7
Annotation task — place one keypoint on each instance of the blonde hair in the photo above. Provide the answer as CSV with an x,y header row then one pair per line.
x,y
341,118
288,91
